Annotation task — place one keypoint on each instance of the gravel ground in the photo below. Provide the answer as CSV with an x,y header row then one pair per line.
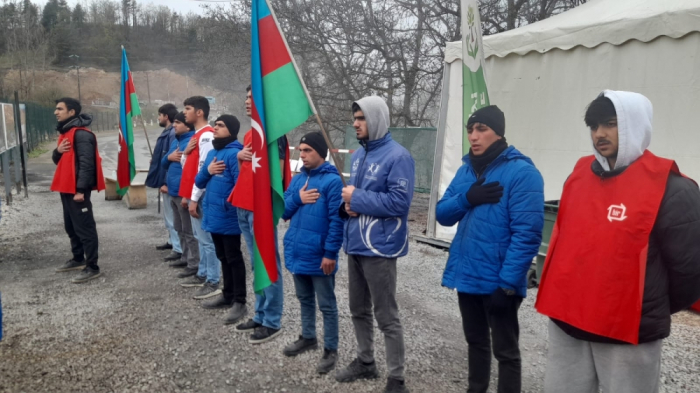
x,y
135,329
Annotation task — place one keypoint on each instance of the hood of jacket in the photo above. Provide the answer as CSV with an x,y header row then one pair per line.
x,y
82,120
186,135
377,116
634,117
326,167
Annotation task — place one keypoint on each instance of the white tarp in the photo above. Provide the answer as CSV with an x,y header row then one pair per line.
x,y
600,21
544,95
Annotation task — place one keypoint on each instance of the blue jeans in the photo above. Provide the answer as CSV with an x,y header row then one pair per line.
x,y
269,303
168,218
209,265
309,288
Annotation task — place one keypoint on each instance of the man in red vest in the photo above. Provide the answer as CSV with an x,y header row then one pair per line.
x,y
78,172
624,256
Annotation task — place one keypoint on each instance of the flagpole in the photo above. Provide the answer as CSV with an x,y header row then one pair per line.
x,y
308,96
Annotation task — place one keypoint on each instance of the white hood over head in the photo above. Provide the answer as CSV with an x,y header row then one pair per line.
x,y
634,116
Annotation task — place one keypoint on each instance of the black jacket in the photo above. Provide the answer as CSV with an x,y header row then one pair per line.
x,y
672,281
84,144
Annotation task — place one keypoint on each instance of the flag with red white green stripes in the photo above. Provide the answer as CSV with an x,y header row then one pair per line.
x,y
128,109
280,104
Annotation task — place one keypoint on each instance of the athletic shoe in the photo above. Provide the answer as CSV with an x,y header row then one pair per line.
x,y
166,246
300,346
237,312
328,361
263,334
217,304
173,256
394,385
248,326
178,264
71,265
86,275
187,272
194,281
207,290
357,370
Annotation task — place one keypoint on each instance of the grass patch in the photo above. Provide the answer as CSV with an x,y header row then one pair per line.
x,y
37,152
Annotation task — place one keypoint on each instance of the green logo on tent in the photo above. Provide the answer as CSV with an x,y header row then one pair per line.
x,y
472,43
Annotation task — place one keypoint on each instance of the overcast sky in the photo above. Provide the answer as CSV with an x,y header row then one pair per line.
x,y
181,6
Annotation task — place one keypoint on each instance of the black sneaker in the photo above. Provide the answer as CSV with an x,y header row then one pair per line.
x,y
178,264
263,334
300,346
166,246
328,361
71,265
237,312
86,275
217,304
394,385
357,370
187,272
248,326
173,256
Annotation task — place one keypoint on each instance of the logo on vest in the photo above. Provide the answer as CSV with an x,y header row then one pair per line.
x,y
617,212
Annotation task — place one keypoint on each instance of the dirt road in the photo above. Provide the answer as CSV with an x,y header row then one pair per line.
x,y
135,329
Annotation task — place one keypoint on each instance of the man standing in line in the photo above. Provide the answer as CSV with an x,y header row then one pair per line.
x,y
266,324
376,203
311,247
497,197
78,172
624,256
171,163
156,178
208,273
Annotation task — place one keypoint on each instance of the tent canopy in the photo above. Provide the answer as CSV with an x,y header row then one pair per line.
x,y
600,21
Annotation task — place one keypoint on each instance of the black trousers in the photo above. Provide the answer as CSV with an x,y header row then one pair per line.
x,y
228,250
482,325
80,227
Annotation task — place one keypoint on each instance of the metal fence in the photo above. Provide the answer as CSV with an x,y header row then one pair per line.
x,y
419,141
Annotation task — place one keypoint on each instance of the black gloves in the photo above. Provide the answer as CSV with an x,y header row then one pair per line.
x,y
480,193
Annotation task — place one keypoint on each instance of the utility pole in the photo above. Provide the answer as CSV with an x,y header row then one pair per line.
x,y
76,58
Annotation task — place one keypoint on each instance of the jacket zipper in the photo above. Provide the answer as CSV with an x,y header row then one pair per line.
x,y
357,185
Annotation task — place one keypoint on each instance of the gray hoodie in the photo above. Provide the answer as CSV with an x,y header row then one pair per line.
x,y
377,116
634,117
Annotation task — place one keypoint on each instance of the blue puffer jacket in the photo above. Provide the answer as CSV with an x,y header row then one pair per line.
x,y
156,173
495,243
174,169
315,230
220,216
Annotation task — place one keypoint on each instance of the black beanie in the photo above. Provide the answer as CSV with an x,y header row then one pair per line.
x,y
232,124
490,116
317,142
181,118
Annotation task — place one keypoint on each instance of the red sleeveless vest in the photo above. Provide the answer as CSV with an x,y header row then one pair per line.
x,y
593,278
64,178
189,171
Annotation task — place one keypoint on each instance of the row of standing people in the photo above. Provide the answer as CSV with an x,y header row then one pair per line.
x,y
623,257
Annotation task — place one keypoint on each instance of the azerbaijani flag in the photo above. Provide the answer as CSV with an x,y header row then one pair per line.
x,y
474,93
128,109
280,104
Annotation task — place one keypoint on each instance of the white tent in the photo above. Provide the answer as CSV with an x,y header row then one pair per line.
x,y
543,75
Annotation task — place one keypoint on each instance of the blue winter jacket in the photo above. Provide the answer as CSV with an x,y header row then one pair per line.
x,y
174,169
219,215
156,173
383,173
495,243
315,230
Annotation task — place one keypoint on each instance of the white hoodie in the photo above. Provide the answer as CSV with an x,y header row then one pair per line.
x,y
634,117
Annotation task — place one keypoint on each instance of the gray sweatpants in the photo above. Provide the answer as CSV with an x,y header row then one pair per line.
x,y
372,283
577,366
183,226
